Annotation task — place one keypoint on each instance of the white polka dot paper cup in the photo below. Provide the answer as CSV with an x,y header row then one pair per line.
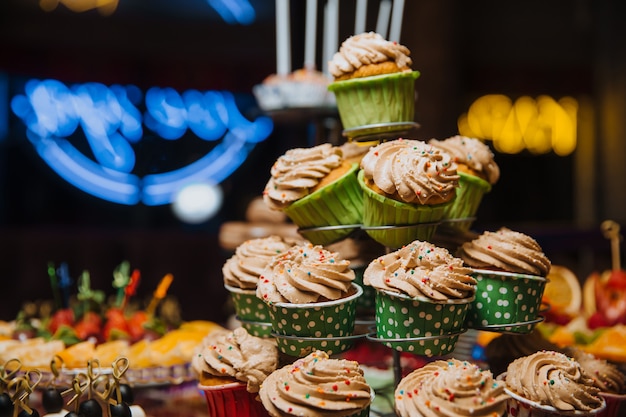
x,y
328,325
419,325
251,311
518,406
506,301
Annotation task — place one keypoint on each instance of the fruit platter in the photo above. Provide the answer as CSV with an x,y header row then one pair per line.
x,y
591,316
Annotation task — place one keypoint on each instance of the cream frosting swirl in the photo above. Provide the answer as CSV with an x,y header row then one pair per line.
x,y
316,386
366,49
471,152
297,171
554,379
606,376
506,250
242,270
450,388
237,354
421,269
411,171
305,274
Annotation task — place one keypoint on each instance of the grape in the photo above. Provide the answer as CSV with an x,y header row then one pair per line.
x,y
24,413
127,394
6,405
52,400
90,408
120,410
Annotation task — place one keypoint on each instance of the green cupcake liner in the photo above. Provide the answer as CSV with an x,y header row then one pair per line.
x,y
302,346
395,224
251,311
386,98
419,325
337,204
324,320
505,298
469,195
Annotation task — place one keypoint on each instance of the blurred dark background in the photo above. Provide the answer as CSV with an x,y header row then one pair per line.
x,y
463,49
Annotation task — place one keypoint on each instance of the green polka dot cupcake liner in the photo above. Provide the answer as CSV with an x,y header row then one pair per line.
x,y
506,302
419,325
366,303
251,311
330,323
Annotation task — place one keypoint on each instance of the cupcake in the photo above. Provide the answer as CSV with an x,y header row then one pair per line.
x,y
407,186
608,379
317,386
373,82
450,388
231,367
548,383
477,172
422,298
303,88
311,298
510,269
317,188
241,276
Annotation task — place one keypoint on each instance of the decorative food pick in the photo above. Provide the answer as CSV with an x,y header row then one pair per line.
x,y
86,294
54,283
117,406
131,288
610,229
86,382
65,282
7,372
21,387
159,293
51,397
121,278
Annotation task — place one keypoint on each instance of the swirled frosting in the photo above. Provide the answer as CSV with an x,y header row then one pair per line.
x,y
238,355
472,153
554,379
366,49
242,270
421,269
506,250
305,274
450,388
411,171
606,376
316,386
295,173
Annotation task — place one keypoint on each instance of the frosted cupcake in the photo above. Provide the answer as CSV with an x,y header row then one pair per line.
x,y
311,298
422,298
231,367
608,379
317,386
477,171
510,269
450,388
241,276
407,186
373,82
550,383
316,187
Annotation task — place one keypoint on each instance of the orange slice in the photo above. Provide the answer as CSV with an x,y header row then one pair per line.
x,y
77,356
563,291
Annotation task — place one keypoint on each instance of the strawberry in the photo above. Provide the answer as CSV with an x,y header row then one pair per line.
x,y
115,320
596,321
64,316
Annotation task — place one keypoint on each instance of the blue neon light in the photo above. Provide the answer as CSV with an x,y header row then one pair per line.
x,y
111,121
234,11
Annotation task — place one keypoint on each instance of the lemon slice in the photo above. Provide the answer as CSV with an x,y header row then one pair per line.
x,y
563,291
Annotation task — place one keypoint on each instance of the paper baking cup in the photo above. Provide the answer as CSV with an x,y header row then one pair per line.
x,y
505,298
328,320
419,325
300,346
337,204
366,303
386,98
393,223
469,195
615,405
232,400
251,311
518,406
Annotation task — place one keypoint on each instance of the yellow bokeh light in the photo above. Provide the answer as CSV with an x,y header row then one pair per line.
x,y
539,125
